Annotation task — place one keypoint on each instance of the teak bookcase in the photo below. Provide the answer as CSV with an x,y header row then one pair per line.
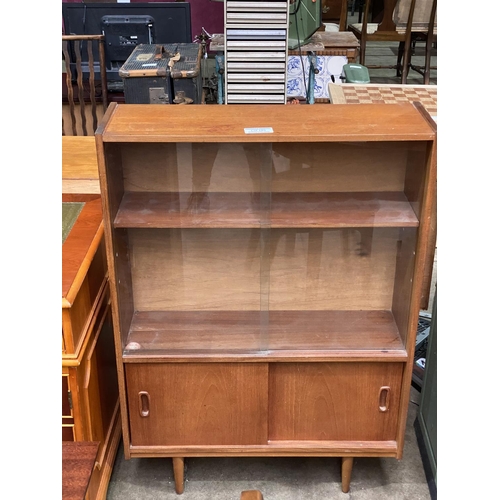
x,y
266,265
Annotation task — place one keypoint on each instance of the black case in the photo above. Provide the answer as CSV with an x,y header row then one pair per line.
x,y
149,79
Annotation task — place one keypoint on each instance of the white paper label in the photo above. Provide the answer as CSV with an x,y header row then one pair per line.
x,y
259,130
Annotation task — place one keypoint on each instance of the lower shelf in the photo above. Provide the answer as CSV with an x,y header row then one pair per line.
x,y
268,335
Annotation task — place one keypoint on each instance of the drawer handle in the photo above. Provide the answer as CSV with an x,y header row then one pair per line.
x,y
383,398
144,404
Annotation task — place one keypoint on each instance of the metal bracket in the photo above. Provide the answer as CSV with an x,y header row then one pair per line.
x,y
157,95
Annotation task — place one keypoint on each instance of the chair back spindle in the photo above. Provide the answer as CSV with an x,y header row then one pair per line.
x,y
86,99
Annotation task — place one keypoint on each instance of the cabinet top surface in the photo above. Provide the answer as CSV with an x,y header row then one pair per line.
x,y
264,123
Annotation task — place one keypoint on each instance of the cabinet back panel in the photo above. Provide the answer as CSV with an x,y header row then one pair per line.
x,y
339,167
222,269
233,167
195,269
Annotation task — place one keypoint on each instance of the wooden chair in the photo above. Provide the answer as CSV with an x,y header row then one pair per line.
x,y
84,101
424,29
335,11
387,30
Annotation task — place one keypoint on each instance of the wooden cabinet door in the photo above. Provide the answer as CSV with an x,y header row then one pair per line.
x,y
334,401
185,404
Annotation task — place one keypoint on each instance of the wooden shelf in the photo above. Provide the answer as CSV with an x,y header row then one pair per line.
x,y
279,210
267,335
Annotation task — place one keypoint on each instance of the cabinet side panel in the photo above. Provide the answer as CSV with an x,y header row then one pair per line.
x,y
420,183
403,282
116,240
80,315
415,176
123,282
197,403
333,401
101,386
97,271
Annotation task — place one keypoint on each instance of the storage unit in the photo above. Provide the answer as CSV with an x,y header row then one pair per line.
x,y
159,74
256,46
266,273
90,400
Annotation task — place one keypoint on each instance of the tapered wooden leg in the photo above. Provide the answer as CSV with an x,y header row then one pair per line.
x,y
178,474
346,473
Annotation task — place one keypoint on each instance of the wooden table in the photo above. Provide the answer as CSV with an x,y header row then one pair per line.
x,y
332,43
90,401
78,459
79,250
79,165
324,43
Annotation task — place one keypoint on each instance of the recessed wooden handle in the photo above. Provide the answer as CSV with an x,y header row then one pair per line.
x,y
383,398
144,404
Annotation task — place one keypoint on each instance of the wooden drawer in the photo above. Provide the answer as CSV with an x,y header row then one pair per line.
x,y
334,401
197,403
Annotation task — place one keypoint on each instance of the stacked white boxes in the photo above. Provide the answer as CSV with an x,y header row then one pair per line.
x,y
256,49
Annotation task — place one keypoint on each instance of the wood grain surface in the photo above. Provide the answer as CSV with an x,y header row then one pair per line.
x,y
80,245
80,173
198,403
333,401
78,459
232,269
151,123
246,210
293,334
244,167
243,338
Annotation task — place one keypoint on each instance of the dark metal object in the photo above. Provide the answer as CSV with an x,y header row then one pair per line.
x,y
155,74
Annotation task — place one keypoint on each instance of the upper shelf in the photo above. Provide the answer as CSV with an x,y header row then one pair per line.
x,y
277,210
264,123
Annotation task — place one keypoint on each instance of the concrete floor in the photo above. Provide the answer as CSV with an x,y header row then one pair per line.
x,y
288,478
